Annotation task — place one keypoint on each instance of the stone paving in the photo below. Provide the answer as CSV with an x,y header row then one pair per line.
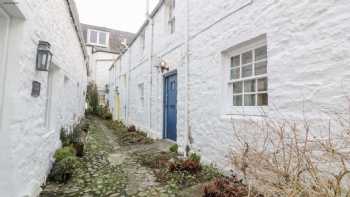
x,y
109,170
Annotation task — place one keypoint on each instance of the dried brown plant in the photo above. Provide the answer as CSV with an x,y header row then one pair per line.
x,y
295,157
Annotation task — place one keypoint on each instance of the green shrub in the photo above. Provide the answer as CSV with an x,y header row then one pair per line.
x,y
79,149
108,116
195,157
63,153
84,125
92,99
65,137
174,148
63,170
104,113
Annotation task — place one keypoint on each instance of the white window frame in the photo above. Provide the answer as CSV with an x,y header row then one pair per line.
x,y
97,38
228,108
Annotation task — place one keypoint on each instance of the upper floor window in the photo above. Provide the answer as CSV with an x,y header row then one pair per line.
x,y
248,77
143,39
96,37
171,16
141,94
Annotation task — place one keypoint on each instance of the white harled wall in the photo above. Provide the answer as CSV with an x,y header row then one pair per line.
x,y
30,126
308,66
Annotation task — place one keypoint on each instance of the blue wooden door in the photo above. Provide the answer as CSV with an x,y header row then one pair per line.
x,y
170,101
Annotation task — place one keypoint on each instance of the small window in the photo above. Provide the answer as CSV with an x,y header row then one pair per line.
x,y
98,37
172,25
248,77
141,94
143,39
171,16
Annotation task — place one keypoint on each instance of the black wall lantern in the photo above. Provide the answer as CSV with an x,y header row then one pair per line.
x,y
44,56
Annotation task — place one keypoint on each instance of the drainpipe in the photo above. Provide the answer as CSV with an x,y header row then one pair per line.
x,y
187,71
128,87
3,63
150,22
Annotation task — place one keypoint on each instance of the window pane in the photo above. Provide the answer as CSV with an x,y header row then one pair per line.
x,y
261,53
262,84
237,88
235,73
261,68
237,100
262,99
103,38
249,86
249,100
247,57
235,61
247,71
93,36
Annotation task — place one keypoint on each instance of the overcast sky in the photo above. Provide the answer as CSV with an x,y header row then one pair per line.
x,y
125,15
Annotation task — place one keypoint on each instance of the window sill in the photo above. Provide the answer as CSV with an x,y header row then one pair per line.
x,y
246,112
95,44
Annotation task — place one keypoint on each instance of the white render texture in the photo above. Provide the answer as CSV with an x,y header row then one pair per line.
x,y
30,126
99,64
308,66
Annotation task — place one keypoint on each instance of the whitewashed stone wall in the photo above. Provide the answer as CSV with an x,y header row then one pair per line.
x,y
308,66
100,63
30,143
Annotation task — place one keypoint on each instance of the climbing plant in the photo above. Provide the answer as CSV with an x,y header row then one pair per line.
x,y
92,98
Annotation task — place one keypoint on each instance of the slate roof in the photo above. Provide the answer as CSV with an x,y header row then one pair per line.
x,y
115,38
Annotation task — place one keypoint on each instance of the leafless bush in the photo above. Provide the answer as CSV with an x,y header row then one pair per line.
x,y
295,158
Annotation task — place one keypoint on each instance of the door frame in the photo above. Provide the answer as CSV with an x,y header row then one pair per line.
x,y
165,76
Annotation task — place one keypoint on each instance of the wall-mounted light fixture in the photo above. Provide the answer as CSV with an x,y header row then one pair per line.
x,y
162,65
44,56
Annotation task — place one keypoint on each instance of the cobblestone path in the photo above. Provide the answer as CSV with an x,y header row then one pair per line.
x,y
109,170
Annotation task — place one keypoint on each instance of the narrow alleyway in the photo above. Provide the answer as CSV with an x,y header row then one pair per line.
x,y
110,170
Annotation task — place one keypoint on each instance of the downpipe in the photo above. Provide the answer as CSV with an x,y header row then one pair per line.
x,y
187,70
151,22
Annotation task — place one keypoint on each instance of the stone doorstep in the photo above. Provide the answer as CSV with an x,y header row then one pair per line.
x,y
157,146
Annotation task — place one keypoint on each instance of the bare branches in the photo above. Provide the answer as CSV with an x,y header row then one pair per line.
x,y
289,160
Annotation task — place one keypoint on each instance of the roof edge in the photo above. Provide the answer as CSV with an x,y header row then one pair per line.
x,y
75,19
153,13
